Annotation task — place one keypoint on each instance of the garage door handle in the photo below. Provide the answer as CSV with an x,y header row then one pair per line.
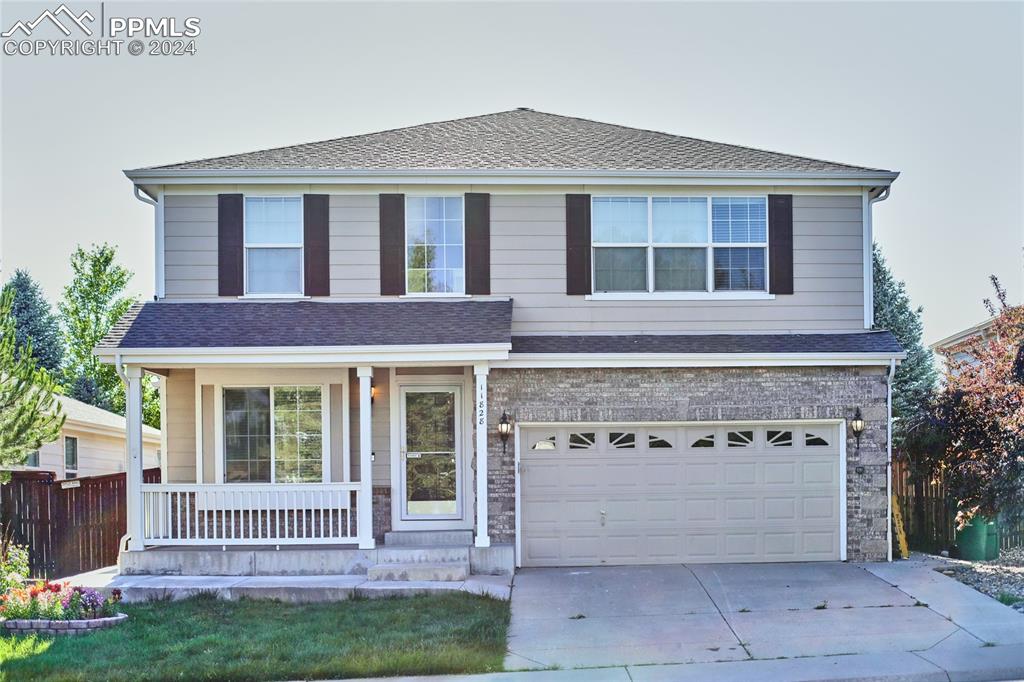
x,y
604,516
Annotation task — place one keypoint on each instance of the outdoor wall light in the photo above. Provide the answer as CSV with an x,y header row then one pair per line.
x,y
373,392
504,429
857,426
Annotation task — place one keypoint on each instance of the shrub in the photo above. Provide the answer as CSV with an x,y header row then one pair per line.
x,y
13,561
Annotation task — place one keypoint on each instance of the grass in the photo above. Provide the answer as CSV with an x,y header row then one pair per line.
x,y
1008,599
207,639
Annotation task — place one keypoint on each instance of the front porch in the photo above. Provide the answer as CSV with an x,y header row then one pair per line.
x,y
330,470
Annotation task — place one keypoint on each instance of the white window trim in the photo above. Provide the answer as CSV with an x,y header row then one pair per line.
x,y
220,463
246,246
405,242
709,293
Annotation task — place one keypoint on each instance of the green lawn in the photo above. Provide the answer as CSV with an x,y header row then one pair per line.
x,y
206,639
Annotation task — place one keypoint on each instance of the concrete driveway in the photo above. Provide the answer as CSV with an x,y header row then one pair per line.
x,y
701,613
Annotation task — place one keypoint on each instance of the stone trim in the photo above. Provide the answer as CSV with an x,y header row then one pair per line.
x,y
41,626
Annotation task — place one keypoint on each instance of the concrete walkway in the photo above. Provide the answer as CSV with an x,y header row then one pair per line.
x,y
295,589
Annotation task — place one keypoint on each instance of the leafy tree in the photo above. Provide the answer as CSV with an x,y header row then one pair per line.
x,y
977,421
916,378
29,414
92,303
35,322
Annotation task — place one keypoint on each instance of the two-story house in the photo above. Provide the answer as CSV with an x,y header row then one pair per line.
x,y
531,339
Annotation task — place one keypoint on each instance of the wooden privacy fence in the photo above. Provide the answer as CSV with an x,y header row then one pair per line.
x,y
930,517
69,526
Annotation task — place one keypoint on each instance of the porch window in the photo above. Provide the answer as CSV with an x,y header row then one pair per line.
x,y
273,245
273,434
434,254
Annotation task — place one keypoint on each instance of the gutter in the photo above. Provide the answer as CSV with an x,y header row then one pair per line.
x,y
888,460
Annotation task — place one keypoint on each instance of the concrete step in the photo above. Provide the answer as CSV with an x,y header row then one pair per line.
x,y
422,538
419,572
422,555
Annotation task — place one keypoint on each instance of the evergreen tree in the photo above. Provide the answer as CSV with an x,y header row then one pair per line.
x,y
916,378
29,414
93,302
35,322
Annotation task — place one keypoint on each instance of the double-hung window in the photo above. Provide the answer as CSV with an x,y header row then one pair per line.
x,y
274,434
679,244
273,245
434,245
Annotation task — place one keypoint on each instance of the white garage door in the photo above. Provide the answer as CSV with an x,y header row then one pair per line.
x,y
594,494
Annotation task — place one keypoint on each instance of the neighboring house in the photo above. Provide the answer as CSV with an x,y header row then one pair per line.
x,y
677,333
91,443
958,346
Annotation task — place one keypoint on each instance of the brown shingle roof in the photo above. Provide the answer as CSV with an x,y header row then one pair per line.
x,y
521,139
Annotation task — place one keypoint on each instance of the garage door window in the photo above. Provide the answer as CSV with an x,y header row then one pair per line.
x,y
740,439
814,440
545,443
582,441
780,439
707,441
656,442
622,440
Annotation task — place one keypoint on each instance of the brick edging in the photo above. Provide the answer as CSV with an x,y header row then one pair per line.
x,y
41,626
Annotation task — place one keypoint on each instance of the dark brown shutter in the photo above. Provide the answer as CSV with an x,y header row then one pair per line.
x,y
392,244
577,244
780,243
478,244
230,245
316,245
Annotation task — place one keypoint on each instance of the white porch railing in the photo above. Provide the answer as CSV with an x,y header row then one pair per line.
x,y
250,514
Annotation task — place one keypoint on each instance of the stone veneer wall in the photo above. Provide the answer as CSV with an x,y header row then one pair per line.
x,y
381,511
701,394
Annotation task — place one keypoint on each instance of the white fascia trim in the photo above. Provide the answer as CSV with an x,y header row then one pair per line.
x,y
110,431
585,360
510,176
312,355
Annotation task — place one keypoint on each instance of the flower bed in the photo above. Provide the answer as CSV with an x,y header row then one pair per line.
x,y
58,608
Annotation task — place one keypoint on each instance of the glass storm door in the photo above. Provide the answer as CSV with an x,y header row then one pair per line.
x,y
431,462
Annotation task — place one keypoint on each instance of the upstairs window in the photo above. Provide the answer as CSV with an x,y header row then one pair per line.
x,y
273,245
434,240
679,244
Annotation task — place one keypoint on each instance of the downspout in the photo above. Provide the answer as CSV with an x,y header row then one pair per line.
x,y
888,459
158,237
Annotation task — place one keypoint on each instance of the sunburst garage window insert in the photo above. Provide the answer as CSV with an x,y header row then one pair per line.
x,y
679,244
435,258
273,245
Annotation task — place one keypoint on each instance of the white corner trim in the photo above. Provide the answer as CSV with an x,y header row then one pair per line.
x,y
593,360
681,296
842,491
869,280
159,285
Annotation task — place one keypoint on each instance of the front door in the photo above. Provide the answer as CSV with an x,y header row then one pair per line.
x,y
431,461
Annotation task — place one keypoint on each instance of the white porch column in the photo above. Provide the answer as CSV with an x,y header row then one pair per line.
x,y
365,510
133,416
480,371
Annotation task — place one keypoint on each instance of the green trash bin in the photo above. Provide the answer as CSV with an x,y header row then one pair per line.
x,y
973,539
992,542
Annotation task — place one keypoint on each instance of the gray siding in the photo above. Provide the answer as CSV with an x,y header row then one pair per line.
x,y
528,264
190,246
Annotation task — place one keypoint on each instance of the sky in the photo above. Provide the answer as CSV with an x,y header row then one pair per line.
x,y
933,90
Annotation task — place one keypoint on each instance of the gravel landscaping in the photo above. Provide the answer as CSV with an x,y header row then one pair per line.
x,y
1002,578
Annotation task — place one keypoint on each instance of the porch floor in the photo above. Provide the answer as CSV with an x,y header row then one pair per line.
x,y
288,588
